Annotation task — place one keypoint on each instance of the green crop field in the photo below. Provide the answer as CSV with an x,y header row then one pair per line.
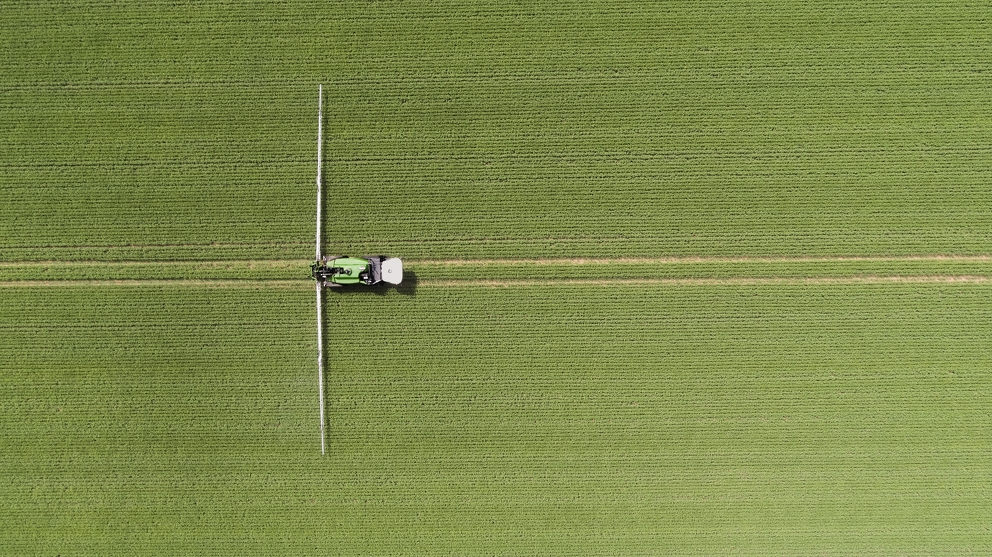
x,y
682,278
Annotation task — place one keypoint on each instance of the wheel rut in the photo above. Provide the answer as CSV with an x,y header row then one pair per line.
x,y
519,273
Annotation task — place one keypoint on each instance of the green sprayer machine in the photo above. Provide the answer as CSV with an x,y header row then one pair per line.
x,y
368,270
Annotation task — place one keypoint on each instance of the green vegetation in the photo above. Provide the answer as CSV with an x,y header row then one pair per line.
x,y
772,420
769,171
583,129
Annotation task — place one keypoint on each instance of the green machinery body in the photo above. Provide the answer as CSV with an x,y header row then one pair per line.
x,y
344,270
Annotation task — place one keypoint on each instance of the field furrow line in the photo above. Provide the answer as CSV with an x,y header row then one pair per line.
x,y
733,281
281,283
220,263
550,261
513,283
704,259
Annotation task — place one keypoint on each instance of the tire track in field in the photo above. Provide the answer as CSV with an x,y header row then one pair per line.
x,y
732,281
706,259
197,273
249,263
521,283
575,261
181,245
220,283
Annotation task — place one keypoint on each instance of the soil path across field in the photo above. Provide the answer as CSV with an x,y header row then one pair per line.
x,y
731,281
706,259
670,271
559,261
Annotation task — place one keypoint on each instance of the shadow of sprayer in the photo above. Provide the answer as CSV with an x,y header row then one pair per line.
x,y
406,288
